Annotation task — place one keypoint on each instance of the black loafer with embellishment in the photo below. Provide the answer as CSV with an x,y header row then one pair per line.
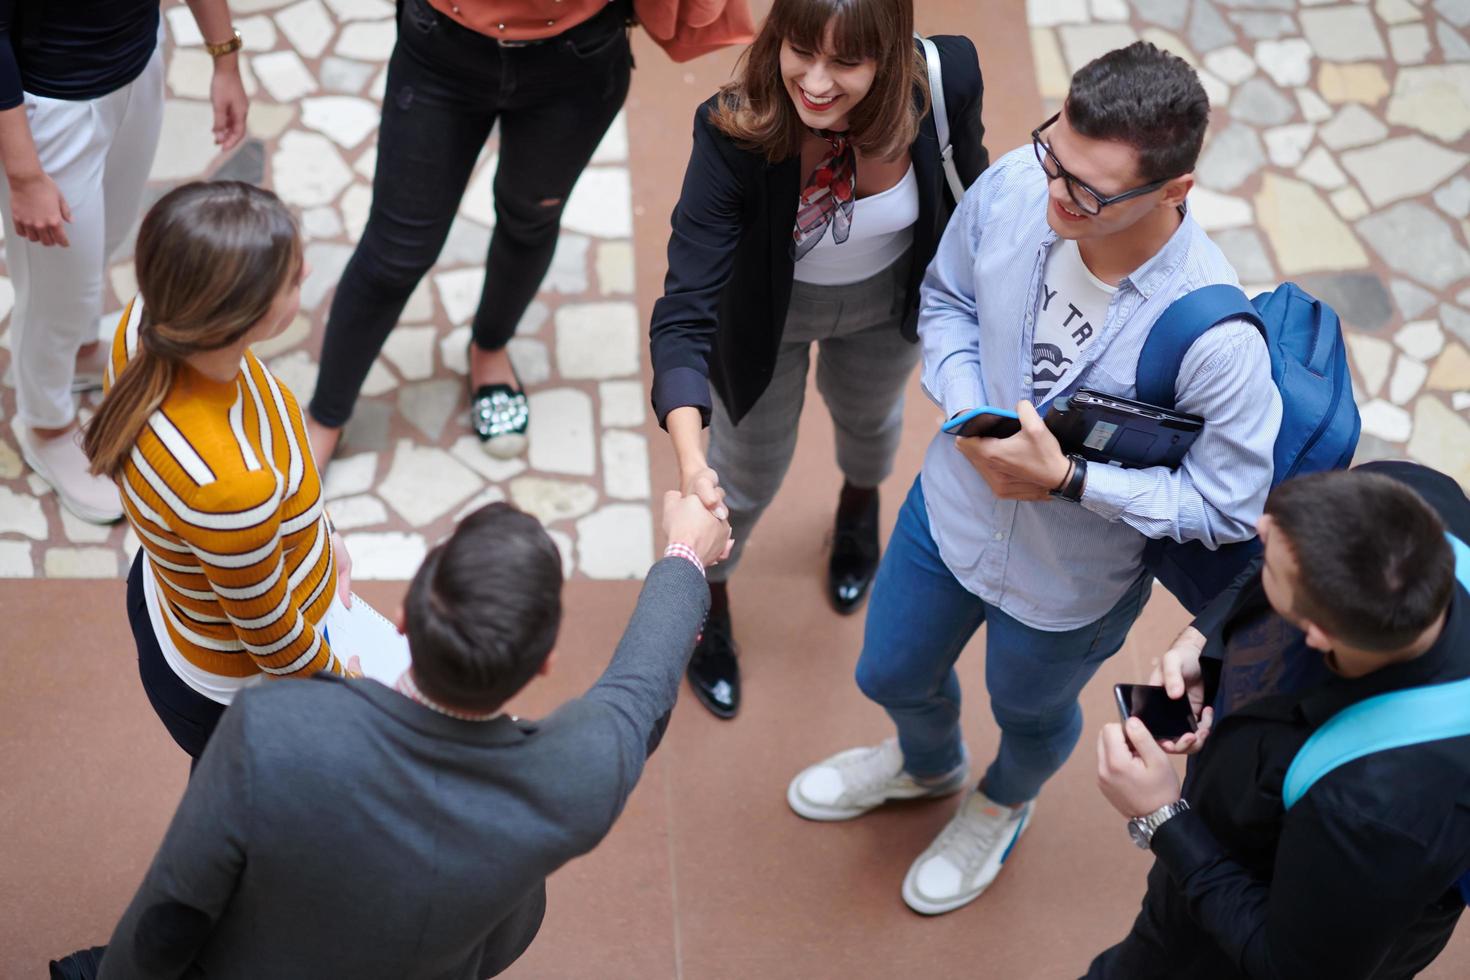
x,y
500,415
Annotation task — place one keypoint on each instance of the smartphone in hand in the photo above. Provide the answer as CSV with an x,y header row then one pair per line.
x,y
1166,718
984,421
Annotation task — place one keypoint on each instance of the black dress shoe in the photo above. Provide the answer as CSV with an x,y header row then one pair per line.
x,y
713,671
854,559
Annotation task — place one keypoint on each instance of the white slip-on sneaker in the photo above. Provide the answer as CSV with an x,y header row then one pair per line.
x,y
851,783
61,463
966,856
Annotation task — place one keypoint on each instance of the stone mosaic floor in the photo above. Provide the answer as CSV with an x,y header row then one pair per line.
x,y
1337,159
407,467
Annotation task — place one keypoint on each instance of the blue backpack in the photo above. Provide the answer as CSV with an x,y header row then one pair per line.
x,y
1319,420
1388,721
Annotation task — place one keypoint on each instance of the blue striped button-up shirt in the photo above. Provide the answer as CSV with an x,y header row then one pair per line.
x,y
1055,565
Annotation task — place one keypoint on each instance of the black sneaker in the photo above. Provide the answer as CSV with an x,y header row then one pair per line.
x,y
500,416
713,671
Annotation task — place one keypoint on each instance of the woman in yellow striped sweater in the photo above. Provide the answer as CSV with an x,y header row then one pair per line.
x,y
237,571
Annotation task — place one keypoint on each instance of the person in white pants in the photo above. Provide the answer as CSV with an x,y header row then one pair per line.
x,y
77,139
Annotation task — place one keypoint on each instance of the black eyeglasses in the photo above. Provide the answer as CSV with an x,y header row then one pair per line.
x,y
1087,199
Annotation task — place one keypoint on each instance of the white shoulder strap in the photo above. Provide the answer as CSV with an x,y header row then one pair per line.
x,y
941,118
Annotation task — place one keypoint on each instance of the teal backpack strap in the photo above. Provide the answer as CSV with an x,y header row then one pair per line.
x,y
1388,721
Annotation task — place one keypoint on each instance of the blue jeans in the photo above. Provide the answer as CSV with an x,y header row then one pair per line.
x,y
920,618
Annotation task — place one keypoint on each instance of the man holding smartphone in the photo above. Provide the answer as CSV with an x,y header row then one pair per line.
x,y
1049,277
1357,879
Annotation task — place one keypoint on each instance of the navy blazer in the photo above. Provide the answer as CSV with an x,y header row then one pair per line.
x,y
720,319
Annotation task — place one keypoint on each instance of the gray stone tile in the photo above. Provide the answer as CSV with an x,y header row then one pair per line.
x,y
1417,242
468,243
184,144
368,429
428,404
1260,26
1454,197
1266,4
247,163
552,500
1343,33
1245,250
327,260
568,272
1207,29
1230,158
15,559
1371,447
1258,101
424,483
1434,99
1405,166
1358,297
1457,12
1165,13
1451,42
531,360
1352,126
1455,320
616,542
1409,298
344,75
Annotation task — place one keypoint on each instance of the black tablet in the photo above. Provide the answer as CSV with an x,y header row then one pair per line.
x,y
1110,429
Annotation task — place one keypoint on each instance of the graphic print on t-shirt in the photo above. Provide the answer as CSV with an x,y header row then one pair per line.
x,y
1070,312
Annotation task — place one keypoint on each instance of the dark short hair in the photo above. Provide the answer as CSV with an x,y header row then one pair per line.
x,y
1147,98
483,610
1373,564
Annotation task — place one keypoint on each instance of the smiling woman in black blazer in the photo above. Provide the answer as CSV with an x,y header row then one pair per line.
x,y
813,201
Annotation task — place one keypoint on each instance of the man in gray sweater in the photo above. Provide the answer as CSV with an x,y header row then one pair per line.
x,y
342,828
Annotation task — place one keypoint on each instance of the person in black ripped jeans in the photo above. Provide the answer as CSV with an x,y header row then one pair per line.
x,y
554,97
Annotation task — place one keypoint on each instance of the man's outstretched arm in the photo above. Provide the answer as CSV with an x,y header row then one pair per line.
x,y
195,871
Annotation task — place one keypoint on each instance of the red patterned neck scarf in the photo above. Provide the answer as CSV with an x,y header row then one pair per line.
x,y
827,197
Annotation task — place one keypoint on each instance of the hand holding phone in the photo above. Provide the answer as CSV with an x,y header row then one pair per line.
x,y
1165,718
986,420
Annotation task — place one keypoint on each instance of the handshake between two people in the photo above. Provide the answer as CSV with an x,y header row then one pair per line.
x,y
689,522
1134,771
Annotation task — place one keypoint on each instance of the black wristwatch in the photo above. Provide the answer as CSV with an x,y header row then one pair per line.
x,y
1071,488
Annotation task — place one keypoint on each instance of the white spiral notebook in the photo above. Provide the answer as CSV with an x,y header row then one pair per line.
x,y
367,634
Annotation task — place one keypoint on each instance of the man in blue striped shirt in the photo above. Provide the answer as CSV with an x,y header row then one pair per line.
x,y
1049,278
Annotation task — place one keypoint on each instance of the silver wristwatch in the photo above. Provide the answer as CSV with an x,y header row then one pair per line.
x,y
1142,829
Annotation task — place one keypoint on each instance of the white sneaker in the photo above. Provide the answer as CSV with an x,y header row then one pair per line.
x,y
61,463
966,856
851,783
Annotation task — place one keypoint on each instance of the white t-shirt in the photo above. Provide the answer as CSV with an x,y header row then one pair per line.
x,y
882,230
1070,312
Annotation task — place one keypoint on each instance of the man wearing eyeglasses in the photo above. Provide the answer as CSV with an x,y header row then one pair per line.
x,y
1050,276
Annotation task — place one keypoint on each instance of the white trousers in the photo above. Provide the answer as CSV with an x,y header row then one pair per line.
x,y
99,152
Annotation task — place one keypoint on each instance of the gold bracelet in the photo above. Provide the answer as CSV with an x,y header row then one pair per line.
x,y
225,47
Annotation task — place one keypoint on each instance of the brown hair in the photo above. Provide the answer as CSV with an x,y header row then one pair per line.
x,y
483,610
756,111
1373,565
211,259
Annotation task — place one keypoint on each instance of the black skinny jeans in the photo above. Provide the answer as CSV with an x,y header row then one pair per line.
x,y
447,85
189,716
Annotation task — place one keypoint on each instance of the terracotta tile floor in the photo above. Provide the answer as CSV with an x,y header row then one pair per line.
x,y
708,875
